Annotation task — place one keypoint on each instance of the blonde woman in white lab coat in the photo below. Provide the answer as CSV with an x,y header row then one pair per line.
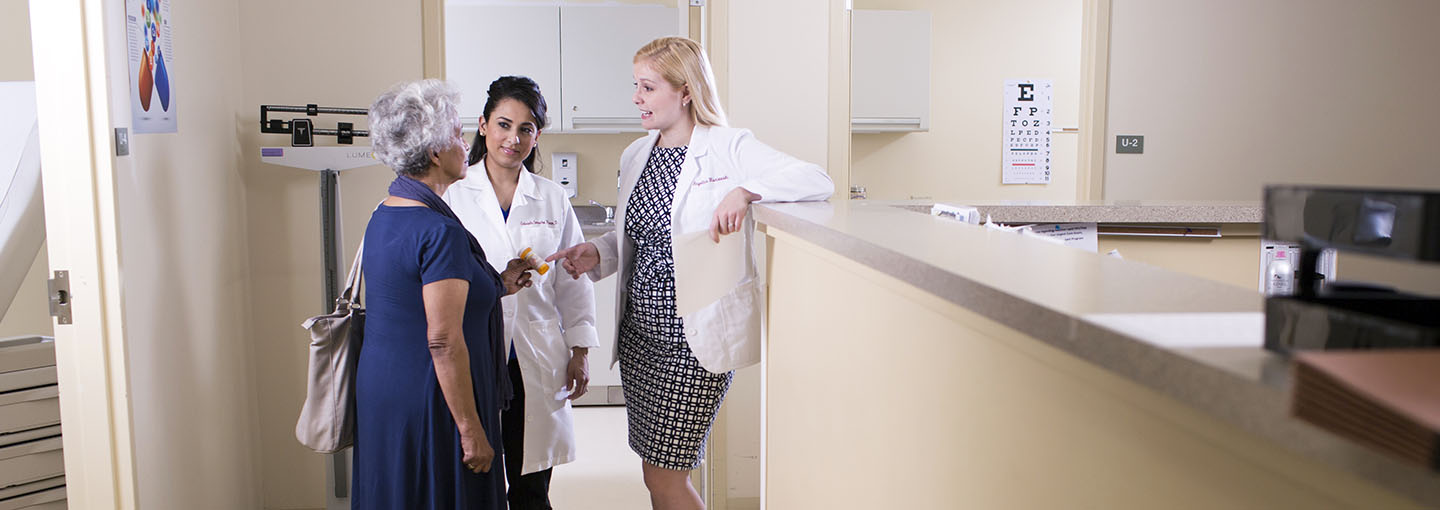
x,y
550,327
690,175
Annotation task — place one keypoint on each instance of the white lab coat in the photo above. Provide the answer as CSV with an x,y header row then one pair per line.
x,y
724,335
544,321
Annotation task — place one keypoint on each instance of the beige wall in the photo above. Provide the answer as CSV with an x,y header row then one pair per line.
x,y
976,47
1231,95
181,210
15,63
1401,275
1232,259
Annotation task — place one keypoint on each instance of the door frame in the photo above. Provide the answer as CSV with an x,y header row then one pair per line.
x,y
1094,100
81,227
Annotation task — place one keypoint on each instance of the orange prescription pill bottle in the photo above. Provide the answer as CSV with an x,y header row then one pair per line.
x,y
540,267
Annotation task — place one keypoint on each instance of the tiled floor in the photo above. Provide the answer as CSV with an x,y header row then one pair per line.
x,y
606,474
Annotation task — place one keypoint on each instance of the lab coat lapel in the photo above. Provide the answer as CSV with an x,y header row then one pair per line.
x,y
689,170
488,205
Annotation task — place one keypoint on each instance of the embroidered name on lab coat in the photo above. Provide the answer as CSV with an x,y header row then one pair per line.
x,y
548,223
702,182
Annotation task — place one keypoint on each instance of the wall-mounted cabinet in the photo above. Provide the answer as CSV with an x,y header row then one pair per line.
x,y
890,71
597,45
580,55
486,41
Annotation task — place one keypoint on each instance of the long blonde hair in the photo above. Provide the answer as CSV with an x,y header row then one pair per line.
x,y
682,62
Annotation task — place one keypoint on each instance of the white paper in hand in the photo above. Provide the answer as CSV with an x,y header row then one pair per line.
x,y
706,271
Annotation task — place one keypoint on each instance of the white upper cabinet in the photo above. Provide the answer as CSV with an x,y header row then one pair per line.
x,y
486,41
597,45
580,56
889,71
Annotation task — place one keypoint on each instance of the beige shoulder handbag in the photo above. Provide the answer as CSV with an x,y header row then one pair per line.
x,y
327,420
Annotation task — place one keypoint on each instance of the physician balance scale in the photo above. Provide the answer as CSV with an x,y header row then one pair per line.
x,y
329,162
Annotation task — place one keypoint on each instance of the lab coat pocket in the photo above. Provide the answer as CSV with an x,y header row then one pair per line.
x,y
547,340
542,237
725,335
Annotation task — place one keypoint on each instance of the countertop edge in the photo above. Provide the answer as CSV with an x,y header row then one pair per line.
x,y
1256,407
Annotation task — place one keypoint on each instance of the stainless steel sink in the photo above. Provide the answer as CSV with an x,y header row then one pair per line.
x,y
594,215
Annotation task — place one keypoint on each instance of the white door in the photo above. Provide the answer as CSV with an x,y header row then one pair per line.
x,y
73,105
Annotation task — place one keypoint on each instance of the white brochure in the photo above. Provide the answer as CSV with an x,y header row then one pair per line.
x,y
1079,235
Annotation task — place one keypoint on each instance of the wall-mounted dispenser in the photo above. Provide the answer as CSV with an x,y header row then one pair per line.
x,y
565,167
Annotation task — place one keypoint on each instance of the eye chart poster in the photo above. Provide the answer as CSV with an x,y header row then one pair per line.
x,y
152,63
1026,128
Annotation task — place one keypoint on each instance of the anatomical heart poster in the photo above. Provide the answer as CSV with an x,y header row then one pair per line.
x,y
152,65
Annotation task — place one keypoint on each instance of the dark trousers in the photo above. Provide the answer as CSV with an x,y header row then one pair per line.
x,y
530,491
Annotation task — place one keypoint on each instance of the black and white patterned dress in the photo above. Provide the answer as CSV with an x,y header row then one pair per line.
x,y
669,398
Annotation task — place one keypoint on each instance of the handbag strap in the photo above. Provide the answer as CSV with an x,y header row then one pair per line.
x,y
356,279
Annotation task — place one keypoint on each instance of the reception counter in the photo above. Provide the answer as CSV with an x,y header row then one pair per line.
x,y
917,362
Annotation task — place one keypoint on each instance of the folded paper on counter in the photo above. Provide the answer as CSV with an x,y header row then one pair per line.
x,y
1075,235
1078,235
1387,399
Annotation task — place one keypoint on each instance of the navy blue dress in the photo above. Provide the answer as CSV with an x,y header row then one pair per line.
x,y
407,448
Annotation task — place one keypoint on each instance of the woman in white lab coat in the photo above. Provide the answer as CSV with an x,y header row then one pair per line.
x,y
692,174
550,327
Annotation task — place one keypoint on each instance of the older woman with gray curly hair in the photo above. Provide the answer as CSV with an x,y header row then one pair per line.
x,y
431,378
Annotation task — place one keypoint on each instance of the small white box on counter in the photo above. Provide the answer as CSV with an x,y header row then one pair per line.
x,y
963,213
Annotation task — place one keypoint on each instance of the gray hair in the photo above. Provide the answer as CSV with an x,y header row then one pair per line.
x,y
411,121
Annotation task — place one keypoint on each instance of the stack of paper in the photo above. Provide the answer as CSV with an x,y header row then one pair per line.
x,y
1388,399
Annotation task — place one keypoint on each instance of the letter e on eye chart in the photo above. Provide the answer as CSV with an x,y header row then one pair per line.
x,y
1025,127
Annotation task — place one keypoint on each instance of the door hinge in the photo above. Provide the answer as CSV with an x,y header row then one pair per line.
x,y
697,3
60,296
